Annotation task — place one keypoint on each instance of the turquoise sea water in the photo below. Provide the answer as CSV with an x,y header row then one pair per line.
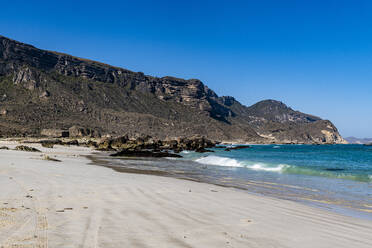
x,y
336,177
353,162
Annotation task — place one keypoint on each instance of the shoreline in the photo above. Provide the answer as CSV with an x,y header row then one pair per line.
x,y
74,203
329,205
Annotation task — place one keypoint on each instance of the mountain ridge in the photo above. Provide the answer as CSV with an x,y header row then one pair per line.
x,y
355,140
44,89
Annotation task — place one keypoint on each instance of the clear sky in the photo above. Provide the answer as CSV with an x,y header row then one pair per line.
x,y
315,56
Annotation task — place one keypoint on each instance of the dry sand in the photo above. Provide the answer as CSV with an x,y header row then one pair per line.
x,y
75,204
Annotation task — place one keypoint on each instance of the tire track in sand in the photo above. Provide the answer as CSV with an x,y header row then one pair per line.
x,y
23,224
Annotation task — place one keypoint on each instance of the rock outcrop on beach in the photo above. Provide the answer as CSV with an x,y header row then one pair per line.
x,y
44,90
197,144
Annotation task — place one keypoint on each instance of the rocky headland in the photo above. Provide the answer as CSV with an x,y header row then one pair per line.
x,y
44,93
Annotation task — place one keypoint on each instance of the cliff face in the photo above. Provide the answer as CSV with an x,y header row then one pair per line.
x,y
42,89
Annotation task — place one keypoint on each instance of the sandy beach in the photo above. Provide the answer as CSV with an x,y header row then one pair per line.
x,y
74,203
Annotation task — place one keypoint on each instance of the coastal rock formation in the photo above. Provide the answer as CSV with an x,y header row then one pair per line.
x,y
197,144
26,149
48,90
77,131
54,133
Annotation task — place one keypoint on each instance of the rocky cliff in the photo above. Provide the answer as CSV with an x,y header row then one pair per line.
x,y
42,89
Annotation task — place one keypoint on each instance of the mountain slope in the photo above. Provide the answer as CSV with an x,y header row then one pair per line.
x,y
42,89
354,140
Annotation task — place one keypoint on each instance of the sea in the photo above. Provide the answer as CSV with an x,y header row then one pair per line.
x,y
337,178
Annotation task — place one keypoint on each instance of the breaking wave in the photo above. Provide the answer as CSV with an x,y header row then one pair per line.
x,y
219,161
230,162
282,168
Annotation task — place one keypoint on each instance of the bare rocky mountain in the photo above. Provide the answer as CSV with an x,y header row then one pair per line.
x,y
354,140
48,90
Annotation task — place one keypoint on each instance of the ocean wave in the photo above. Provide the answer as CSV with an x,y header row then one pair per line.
x,y
230,162
219,161
330,174
281,168
278,168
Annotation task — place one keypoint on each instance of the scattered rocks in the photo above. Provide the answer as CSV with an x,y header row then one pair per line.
x,y
26,149
46,157
4,112
45,94
77,131
91,143
192,144
146,146
74,142
68,142
50,143
148,143
4,148
203,150
55,133
47,145
71,143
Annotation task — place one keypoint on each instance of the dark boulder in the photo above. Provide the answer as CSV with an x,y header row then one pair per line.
x,y
50,143
203,150
26,149
71,143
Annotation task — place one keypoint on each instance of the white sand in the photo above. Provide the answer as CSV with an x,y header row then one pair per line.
x,y
74,204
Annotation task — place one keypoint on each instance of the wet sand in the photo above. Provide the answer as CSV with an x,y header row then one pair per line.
x,y
74,203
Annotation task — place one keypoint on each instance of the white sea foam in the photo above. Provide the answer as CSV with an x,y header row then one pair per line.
x,y
230,162
219,161
278,168
171,158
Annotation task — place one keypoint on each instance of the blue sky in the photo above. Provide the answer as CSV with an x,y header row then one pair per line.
x,y
315,56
